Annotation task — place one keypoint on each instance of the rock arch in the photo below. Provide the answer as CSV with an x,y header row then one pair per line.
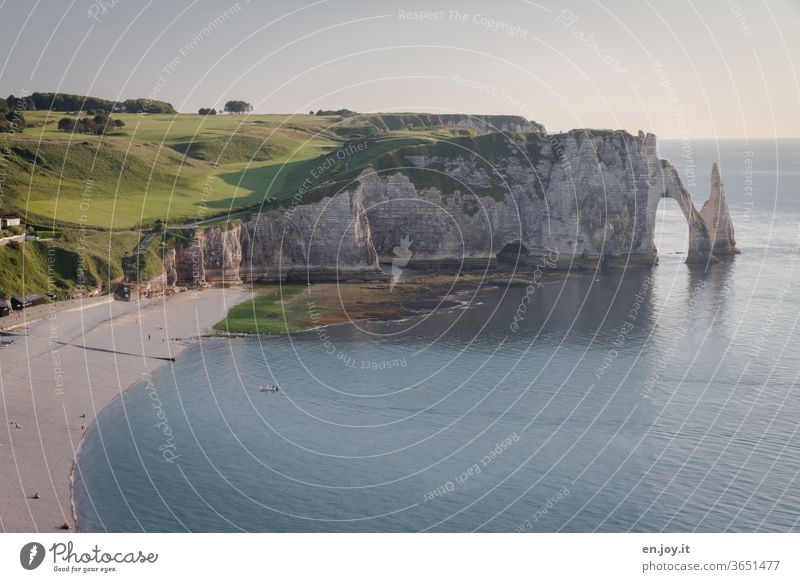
x,y
711,234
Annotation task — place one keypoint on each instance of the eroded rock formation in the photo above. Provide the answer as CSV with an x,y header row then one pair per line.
x,y
717,216
214,256
588,198
329,239
325,240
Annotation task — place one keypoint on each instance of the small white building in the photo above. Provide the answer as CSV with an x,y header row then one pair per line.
x,y
10,221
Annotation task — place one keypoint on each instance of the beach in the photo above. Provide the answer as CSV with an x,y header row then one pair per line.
x,y
62,370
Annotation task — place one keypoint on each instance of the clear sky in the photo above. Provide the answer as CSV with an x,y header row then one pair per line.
x,y
710,68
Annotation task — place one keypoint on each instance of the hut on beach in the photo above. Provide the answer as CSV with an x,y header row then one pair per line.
x,y
24,301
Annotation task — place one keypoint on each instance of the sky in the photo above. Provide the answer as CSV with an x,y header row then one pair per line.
x,y
680,69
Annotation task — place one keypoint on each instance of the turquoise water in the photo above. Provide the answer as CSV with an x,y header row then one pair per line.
x,y
652,400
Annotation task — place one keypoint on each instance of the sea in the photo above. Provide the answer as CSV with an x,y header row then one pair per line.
x,y
658,399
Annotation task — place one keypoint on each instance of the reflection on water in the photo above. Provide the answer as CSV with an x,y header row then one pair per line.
x,y
645,400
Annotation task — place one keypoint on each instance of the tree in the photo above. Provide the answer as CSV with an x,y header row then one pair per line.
x,y
3,105
238,107
67,102
207,111
86,125
70,125
339,112
67,124
98,125
147,106
20,103
12,122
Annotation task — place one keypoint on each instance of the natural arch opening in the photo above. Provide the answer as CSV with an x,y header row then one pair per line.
x,y
671,232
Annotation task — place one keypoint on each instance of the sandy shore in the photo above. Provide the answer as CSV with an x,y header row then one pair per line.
x,y
46,387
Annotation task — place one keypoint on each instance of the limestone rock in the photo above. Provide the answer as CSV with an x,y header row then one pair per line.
x,y
586,196
581,199
325,240
717,216
699,250
322,240
163,282
214,256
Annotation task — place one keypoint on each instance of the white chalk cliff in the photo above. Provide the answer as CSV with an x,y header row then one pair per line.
x,y
589,197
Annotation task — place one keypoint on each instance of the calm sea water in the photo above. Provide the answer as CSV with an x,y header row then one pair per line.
x,y
654,400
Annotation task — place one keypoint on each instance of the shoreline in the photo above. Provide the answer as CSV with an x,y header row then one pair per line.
x,y
111,342
63,370
324,304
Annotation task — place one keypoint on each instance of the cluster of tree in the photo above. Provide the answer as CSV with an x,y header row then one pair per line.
x,y
145,106
21,103
238,107
12,121
340,112
97,125
12,117
67,102
207,111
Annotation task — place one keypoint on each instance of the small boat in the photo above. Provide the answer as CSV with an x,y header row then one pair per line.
x,y
269,388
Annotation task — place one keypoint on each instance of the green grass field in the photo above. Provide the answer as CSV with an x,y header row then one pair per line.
x,y
173,168
102,194
265,314
182,168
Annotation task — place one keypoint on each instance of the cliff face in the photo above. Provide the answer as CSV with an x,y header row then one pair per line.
x,y
213,257
161,283
579,199
324,240
583,196
329,239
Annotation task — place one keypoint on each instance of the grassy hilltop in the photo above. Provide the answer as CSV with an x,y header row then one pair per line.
x,y
170,167
175,169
